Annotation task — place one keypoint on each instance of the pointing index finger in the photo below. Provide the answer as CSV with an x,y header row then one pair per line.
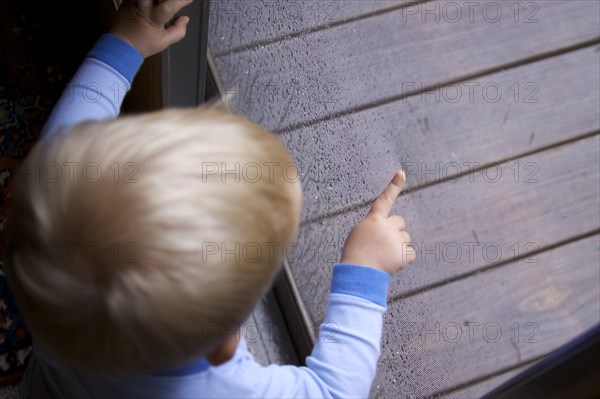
x,y
385,202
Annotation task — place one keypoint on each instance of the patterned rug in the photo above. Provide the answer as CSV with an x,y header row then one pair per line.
x,y
41,46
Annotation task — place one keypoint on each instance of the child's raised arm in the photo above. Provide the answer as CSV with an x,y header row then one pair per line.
x,y
344,361
98,88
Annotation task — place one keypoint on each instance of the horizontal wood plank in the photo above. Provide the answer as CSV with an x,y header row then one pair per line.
x,y
478,390
319,74
346,161
238,23
461,227
488,322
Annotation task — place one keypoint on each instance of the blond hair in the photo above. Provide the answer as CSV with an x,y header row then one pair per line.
x,y
140,243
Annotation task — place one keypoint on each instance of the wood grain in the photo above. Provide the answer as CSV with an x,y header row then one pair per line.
x,y
478,390
346,161
319,74
239,23
490,321
461,227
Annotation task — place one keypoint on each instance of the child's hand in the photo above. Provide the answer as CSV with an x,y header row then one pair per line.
x,y
141,23
379,240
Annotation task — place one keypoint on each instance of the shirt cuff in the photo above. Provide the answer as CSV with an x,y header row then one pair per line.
x,y
120,55
361,281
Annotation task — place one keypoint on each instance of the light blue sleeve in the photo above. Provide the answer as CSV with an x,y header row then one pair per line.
x,y
98,88
344,360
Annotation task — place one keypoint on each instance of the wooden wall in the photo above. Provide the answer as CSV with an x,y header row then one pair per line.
x,y
493,113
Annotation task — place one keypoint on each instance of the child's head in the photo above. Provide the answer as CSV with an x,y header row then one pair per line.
x,y
138,244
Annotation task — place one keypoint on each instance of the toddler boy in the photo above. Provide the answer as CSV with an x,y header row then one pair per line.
x,y
127,244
